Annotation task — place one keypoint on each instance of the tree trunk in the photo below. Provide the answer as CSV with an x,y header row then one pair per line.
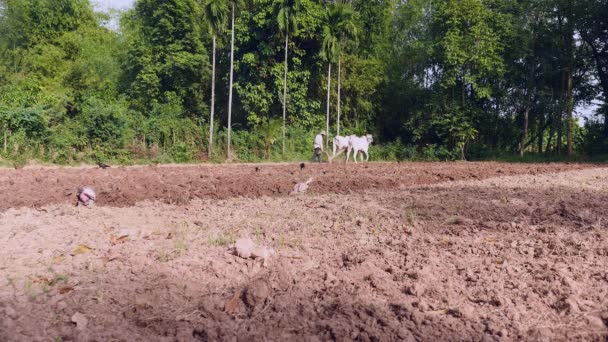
x,y
327,119
462,151
494,137
562,90
230,89
462,89
569,98
562,102
339,70
550,138
210,149
541,128
529,91
285,88
525,131
5,138
569,104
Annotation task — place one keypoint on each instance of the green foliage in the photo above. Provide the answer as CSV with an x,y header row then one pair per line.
x,y
270,130
457,128
470,43
287,15
339,29
166,54
432,80
216,15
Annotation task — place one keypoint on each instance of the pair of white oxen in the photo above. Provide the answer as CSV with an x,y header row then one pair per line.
x,y
352,143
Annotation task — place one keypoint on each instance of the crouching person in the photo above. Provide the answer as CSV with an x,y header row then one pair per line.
x,y
318,146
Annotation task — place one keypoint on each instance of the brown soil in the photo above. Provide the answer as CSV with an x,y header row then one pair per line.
x,y
505,258
125,186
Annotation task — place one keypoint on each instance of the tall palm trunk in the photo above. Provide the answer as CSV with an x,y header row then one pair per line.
x,y
231,80
210,149
339,69
285,88
328,91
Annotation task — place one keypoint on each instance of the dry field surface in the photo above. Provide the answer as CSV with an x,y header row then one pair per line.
x,y
372,252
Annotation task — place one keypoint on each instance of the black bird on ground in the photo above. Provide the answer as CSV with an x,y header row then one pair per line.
x,y
302,166
102,165
257,169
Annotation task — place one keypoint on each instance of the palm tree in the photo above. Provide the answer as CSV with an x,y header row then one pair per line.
x,y
287,19
270,131
231,80
216,12
329,51
339,29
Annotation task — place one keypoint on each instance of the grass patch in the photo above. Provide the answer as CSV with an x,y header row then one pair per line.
x,y
222,239
28,288
164,256
258,233
285,241
452,220
180,246
410,216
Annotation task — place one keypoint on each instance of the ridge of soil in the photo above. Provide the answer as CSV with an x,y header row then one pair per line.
x,y
126,186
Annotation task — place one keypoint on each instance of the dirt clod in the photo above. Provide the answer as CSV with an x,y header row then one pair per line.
x,y
80,320
257,293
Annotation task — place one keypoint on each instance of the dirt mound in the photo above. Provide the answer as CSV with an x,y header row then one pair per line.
x,y
125,186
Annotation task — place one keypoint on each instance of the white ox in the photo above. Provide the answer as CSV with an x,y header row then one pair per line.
x,y
340,144
359,144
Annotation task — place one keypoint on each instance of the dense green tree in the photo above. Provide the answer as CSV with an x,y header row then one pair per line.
x,y
429,78
592,24
167,55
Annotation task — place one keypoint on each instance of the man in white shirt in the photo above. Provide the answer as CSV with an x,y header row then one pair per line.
x,y
318,146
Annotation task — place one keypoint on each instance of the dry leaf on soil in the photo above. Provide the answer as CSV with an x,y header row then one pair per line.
x,y
57,259
116,240
233,302
107,259
40,280
81,249
65,289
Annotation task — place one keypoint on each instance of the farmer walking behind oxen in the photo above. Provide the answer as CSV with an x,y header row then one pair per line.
x,y
318,146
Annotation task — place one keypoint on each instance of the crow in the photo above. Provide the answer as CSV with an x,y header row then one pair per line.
x,y
302,166
102,165
257,169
